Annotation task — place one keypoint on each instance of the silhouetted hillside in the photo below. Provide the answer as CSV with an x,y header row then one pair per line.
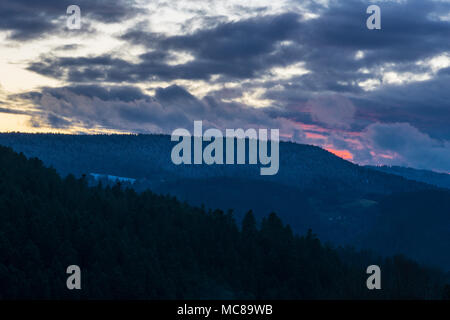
x,y
145,246
340,201
148,157
328,182
416,224
437,179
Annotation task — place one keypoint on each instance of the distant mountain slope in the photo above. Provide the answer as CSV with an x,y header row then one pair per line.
x,y
313,189
416,224
148,157
437,179
145,246
342,202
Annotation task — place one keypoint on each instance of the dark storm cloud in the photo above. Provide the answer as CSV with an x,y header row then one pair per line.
x,y
11,111
129,109
232,42
247,48
411,147
408,31
55,121
445,71
68,47
174,93
120,93
331,42
33,19
425,105
82,69
237,50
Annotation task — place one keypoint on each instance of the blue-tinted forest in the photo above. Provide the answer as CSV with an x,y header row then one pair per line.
x,y
133,245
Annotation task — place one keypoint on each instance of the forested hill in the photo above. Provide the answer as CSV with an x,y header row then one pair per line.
x,y
434,178
314,189
149,157
144,246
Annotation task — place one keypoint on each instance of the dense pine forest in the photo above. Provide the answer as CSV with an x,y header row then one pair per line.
x,y
133,245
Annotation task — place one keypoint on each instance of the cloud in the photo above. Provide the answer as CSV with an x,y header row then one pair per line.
x,y
27,20
129,109
236,49
335,110
327,47
424,105
408,146
11,111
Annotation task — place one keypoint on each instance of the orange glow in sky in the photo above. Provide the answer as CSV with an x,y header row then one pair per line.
x,y
312,135
344,154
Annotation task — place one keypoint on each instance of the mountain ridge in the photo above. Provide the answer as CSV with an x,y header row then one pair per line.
x,y
438,179
144,246
342,202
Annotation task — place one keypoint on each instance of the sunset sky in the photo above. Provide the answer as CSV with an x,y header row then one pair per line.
x,y
309,68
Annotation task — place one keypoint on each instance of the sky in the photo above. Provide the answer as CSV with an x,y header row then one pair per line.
x,y
311,69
